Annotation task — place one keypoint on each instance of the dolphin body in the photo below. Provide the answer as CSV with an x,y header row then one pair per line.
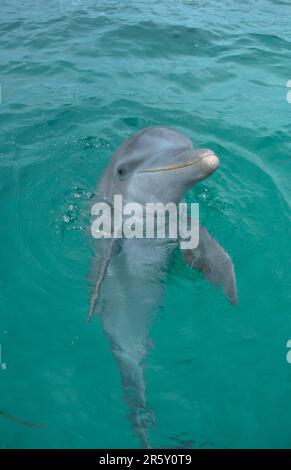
x,y
155,165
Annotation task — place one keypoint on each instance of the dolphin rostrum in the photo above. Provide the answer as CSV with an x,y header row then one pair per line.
x,y
157,164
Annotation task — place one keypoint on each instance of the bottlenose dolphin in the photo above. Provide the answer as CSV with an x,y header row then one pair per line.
x,y
157,164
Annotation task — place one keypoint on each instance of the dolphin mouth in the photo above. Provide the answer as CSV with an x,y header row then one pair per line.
x,y
211,157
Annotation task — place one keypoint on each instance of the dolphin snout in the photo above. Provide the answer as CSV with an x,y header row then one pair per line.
x,y
210,160
206,157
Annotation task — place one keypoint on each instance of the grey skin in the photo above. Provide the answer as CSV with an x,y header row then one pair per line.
x,y
155,165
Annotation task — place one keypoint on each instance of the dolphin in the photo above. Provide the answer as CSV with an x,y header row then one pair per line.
x,y
157,164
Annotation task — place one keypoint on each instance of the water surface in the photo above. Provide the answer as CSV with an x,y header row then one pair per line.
x,y
77,78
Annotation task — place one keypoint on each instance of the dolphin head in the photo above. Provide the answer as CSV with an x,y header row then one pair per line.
x,y
156,165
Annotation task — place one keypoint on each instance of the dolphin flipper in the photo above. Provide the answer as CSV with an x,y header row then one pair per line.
x,y
105,260
214,263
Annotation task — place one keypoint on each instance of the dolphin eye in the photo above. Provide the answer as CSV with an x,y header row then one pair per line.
x,y
126,169
121,171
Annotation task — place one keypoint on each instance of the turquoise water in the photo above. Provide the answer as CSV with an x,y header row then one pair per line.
x,y
77,78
